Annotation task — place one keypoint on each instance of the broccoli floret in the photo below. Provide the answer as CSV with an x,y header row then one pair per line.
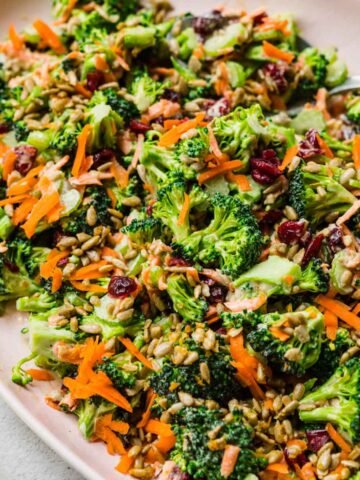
x,y
195,147
353,109
247,320
316,63
307,202
39,302
187,41
21,131
105,123
193,451
182,295
341,392
19,375
145,90
120,378
331,352
143,231
233,35
6,225
126,109
289,353
89,411
239,133
336,273
313,278
232,241
65,139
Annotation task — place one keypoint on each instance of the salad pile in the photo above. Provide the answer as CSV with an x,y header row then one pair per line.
x,y
188,253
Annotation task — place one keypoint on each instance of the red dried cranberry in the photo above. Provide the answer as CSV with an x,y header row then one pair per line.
x,y
171,95
217,109
177,474
178,262
57,236
221,331
335,240
159,120
290,232
274,74
316,439
271,217
298,460
94,80
265,169
310,145
207,24
101,157
25,158
62,262
149,210
217,294
312,250
4,128
138,127
120,287
11,266
259,18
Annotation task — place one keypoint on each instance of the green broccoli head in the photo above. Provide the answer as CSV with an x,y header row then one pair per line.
x,y
105,123
247,320
316,69
313,278
193,451
124,108
21,131
65,140
289,351
305,199
181,293
195,147
145,90
144,231
120,378
89,411
353,109
39,302
341,394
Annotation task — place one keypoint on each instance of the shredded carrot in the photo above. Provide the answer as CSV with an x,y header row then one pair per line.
x,y
100,63
349,213
104,429
222,83
279,334
269,23
173,136
49,37
219,170
40,375
112,197
128,344
8,163
22,186
338,439
254,303
88,288
16,40
290,154
83,272
229,460
39,211
67,12
241,181
57,280
50,402
146,415
83,90
278,468
81,150
184,210
331,324
271,51
246,377
307,472
47,268
12,200
120,174
23,210
324,147
356,151
321,105
158,428
356,309
54,214
199,51
165,443
340,310
109,252
125,463
137,154
222,157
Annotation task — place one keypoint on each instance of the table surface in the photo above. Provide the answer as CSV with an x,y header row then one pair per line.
x,y
24,456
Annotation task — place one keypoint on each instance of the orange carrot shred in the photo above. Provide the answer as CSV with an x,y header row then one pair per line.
x,y
81,150
184,210
57,280
278,468
40,375
16,40
83,90
340,310
120,174
8,163
12,200
290,154
173,136
241,180
125,463
356,151
271,51
324,147
331,324
23,210
158,428
219,170
47,268
39,211
229,460
279,334
49,37
222,157
128,344
338,439
146,415
165,443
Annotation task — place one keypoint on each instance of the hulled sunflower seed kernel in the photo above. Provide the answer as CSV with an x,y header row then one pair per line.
x,y
191,358
91,217
186,399
205,372
163,349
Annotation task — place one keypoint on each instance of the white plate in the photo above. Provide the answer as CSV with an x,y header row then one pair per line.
x,y
324,23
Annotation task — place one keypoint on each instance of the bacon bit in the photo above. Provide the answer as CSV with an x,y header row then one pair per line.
x,y
49,37
125,463
40,375
88,288
137,154
279,334
8,163
40,210
16,40
173,136
271,51
338,439
241,181
324,147
83,91
290,154
255,303
229,459
128,344
81,150
340,310
349,213
331,324
356,151
151,395
321,105
219,170
120,174
57,280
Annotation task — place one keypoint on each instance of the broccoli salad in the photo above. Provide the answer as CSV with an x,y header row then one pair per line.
x,y
188,252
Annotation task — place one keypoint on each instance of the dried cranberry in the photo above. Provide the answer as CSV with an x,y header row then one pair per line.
x,y
217,294
312,250
101,157
159,120
171,95
138,127
316,439
120,287
298,460
271,217
149,210
11,266
259,18
25,158
57,236
310,145
4,128
335,240
290,232
265,169
177,474
207,24
177,262
221,331
274,74
217,109
94,80
62,262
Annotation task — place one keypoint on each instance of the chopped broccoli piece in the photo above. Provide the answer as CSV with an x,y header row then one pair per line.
x,y
89,411
65,140
120,378
126,109
182,295
105,123
145,90
39,302
6,225
316,63
19,375
313,278
21,131
195,147
341,394
233,35
353,109
143,231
